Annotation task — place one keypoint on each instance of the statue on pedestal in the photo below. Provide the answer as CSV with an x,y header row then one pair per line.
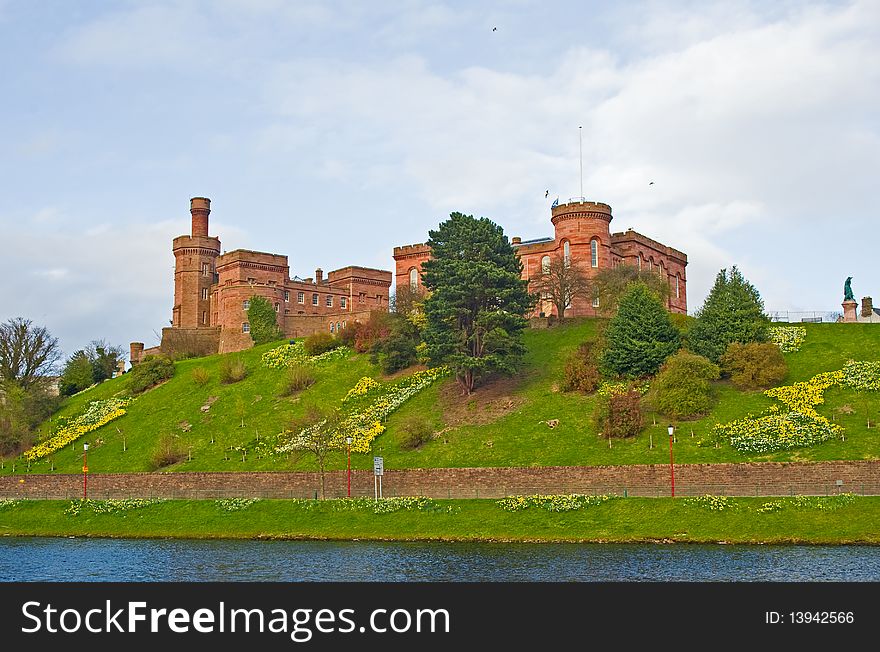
x,y
847,290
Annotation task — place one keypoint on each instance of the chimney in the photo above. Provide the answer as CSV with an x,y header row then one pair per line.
x,y
200,208
135,352
319,276
867,306
516,240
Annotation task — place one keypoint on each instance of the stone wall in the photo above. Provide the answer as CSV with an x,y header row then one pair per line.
x,y
760,479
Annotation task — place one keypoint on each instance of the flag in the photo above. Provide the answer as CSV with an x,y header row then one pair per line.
x,y
555,203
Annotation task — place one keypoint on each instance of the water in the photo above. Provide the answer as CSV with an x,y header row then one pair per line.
x,y
52,559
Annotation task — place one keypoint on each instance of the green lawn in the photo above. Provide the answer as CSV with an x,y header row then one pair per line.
x,y
618,520
503,424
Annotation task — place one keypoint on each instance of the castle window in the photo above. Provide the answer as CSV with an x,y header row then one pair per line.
x,y
677,287
596,302
343,302
245,327
362,297
343,324
287,311
594,253
331,326
566,252
277,307
287,295
413,277
640,262
205,317
337,327
246,304
204,294
329,301
314,299
545,265
300,297
206,269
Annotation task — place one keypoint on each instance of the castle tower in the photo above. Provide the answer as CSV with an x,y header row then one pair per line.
x,y
194,268
584,226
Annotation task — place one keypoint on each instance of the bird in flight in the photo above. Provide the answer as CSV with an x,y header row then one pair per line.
x,y
546,194
494,29
651,184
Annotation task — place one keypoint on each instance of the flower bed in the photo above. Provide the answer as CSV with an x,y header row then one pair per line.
x,y
864,376
822,503
612,388
97,414
552,503
288,355
712,503
234,504
363,387
110,506
788,338
363,416
9,502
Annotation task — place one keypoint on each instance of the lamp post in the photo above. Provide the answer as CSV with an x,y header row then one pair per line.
x,y
671,460
85,472
348,447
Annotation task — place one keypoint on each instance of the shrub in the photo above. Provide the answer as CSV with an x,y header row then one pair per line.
x,y
376,328
582,369
151,371
232,370
682,388
754,365
640,336
417,430
683,324
397,350
319,343
619,414
168,451
299,377
200,376
348,335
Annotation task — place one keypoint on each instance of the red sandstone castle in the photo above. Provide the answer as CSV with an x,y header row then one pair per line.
x,y
581,235
212,293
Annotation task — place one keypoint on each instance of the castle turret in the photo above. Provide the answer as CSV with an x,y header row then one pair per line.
x,y
584,227
194,268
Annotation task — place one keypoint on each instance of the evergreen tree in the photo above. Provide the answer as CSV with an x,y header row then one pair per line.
x,y
263,321
733,312
640,336
477,300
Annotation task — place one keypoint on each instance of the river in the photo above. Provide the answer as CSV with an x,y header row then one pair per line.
x,y
80,559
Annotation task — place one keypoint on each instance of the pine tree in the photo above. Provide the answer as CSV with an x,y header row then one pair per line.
x,y
640,336
477,300
733,312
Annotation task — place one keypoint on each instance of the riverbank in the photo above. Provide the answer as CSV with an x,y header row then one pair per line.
x,y
824,520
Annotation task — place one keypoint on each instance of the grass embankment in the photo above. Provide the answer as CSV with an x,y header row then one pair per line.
x,y
503,424
618,520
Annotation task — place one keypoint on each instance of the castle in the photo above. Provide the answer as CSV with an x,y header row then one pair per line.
x,y
212,293
581,235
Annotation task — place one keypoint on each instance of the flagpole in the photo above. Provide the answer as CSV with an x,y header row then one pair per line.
x,y
581,143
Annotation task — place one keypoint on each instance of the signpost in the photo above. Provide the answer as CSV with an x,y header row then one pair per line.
x,y
378,471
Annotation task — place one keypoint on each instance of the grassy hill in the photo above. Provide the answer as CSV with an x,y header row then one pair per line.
x,y
503,424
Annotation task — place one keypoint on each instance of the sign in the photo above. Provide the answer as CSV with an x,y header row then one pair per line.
x,y
378,466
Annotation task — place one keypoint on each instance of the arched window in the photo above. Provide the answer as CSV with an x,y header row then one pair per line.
x,y
331,326
640,262
677,286
566,252
413,277
338,327
545,265
660,268
594,253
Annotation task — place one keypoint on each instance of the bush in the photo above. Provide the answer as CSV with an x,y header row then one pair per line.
x,y
168,451
200,376
417,430
754,365
263,321
619,414
640,336
397,349
582,369
232,370
376,328
348,335
682,388
299,377
151,371
319,343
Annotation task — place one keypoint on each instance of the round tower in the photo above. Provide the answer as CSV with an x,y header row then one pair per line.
x,y
584,226
194,268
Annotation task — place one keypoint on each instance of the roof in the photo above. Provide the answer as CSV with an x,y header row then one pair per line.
x,y
530,242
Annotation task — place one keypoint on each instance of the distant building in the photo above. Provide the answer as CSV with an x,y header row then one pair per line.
x,y
212,292
581,234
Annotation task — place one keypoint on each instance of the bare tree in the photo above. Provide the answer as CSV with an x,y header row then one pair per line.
x,y
408,298
316,436
561,282
28,353
613,282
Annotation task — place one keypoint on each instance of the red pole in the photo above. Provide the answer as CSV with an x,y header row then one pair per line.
x,y
349,470
671,466
85,474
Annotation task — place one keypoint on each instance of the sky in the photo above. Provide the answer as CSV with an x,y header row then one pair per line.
x,y
333,131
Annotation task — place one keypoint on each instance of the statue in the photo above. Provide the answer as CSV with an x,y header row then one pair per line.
x,y
847,290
